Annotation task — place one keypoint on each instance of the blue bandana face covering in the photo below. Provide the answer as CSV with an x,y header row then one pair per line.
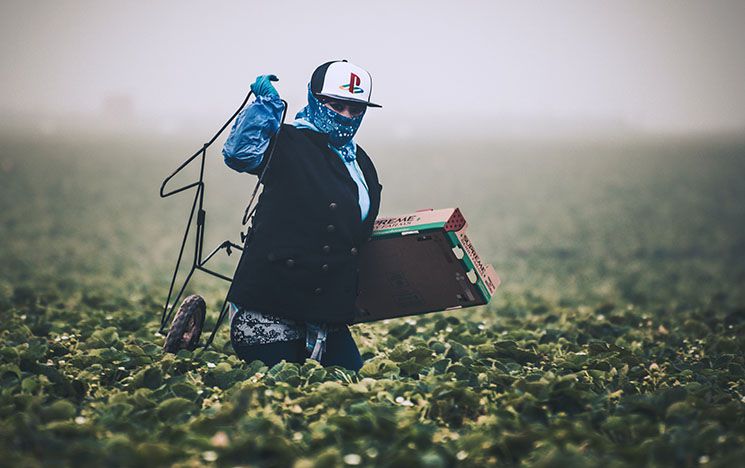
x,y
340,129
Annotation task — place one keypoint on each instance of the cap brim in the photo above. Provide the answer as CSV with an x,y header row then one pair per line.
x,y
356,101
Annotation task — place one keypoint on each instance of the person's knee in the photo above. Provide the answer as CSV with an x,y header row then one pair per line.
x,y
341,350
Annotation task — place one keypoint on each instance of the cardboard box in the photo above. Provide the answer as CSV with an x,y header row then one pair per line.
x,y
419,263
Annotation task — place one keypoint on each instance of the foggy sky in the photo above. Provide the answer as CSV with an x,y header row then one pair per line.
x,y
653,65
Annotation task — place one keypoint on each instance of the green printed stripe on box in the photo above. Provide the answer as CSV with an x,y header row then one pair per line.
x,y
470,266
399,230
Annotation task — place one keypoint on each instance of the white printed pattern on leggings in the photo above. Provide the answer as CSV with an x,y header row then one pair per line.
x,y
251,327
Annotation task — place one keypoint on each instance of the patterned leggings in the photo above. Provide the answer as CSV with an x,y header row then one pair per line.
x,y
341,350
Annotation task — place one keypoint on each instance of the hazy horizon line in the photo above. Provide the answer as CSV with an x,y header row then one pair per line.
x,y
405,127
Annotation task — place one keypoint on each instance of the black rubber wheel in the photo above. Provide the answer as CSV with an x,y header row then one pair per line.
x,y
186,327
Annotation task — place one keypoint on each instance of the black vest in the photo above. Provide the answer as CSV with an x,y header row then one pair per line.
x,y
301,257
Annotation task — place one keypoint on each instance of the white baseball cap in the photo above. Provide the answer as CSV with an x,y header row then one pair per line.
x,y
344,81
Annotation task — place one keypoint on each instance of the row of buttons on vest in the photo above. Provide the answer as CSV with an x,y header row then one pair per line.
x,y
326,249
290,262
331,228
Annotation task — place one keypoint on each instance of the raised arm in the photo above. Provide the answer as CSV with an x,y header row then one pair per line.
x,y
254,127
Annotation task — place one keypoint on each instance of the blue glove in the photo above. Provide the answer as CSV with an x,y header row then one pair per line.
x,y
263,86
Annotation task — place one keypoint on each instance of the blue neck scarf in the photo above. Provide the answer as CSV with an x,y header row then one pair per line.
x,y
340,129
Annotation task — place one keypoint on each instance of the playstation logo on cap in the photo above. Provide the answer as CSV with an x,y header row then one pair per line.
x,y
343,81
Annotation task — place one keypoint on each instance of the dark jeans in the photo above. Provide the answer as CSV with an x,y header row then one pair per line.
x,y
341,350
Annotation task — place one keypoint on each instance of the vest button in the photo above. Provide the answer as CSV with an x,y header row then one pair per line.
x,y
270,256
317,291
326,249
325,267
330,228
353,251
332,206
290,262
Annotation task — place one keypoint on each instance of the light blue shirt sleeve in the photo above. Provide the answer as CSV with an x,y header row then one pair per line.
x,y
253,128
